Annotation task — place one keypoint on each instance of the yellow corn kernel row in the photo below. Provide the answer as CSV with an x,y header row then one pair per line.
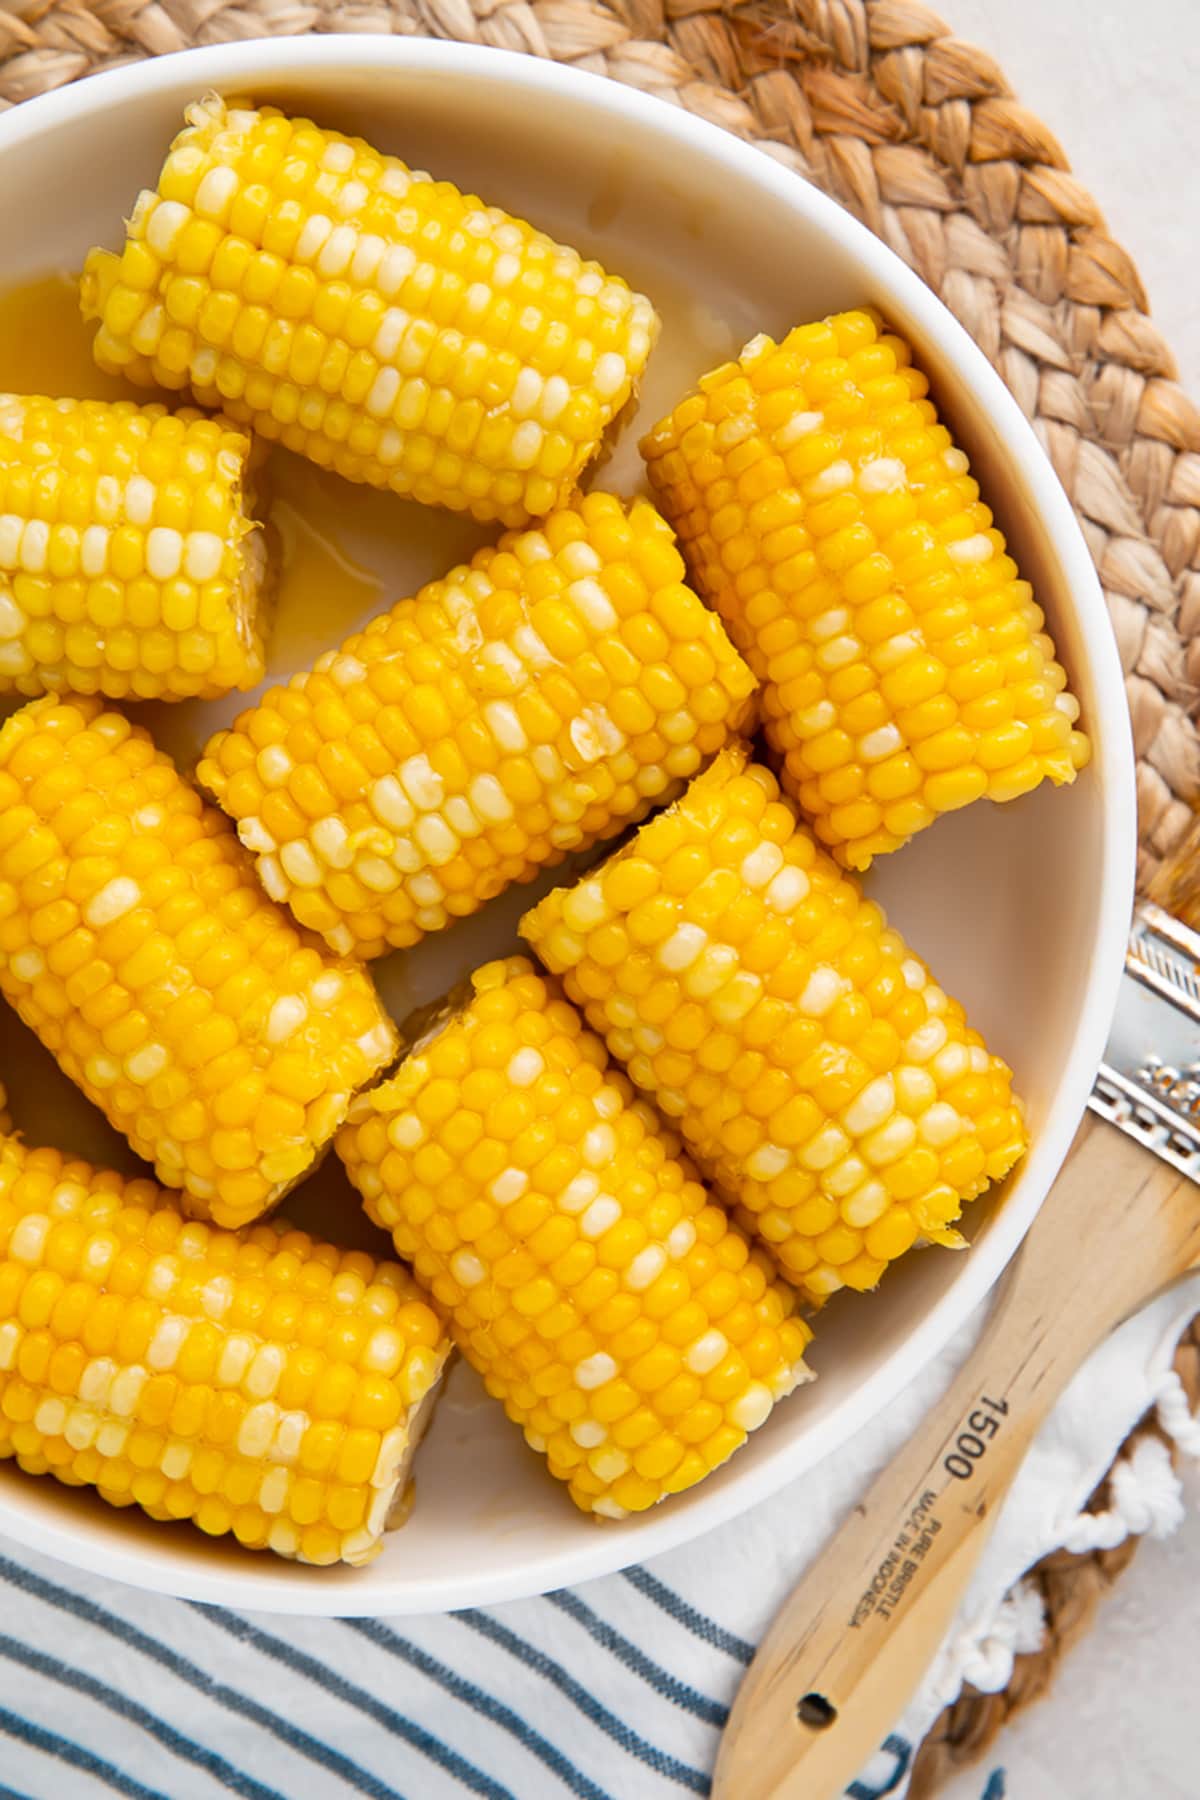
x,y
136,943
813,1066
264,1385
130,564
541,697
620,1317
377,321
834,524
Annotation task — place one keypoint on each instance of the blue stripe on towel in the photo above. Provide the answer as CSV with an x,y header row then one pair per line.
x,y
179,1666
149,1722
75,1756
901,1752
659,1760
485,1704
439,1753
669,1686
698,1623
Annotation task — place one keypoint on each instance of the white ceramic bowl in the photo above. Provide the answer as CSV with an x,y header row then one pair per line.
x,y
1021,909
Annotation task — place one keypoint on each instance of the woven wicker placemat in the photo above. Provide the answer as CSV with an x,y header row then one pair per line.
x,y
919,135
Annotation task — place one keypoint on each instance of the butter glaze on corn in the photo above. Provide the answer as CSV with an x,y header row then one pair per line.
x,y
129,563
815,1069
262,1385
541,698
135,941
834,524
377,321
621,1318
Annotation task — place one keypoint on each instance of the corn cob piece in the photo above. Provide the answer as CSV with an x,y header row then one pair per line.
x,y
537,700
834,524
622,1320
379,322
129,562
263,1385
136,943
815,1069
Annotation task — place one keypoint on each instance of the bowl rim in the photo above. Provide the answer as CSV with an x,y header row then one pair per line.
x,y
267,61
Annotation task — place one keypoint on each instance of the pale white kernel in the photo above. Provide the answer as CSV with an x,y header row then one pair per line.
x,y
395,270
257,1430
12,619
980,1061
167,1342
255,836
508,1186
11,528
265,1371
338,158
955,460
29,1238
608,1464
871,1107
646,1267
594,605
833,479
950,1064
925,1041
217,1296
96,1380
768,1161
884,741
274,765
300,865
800,425
406,1131
466,1268
787,890
421,782
969,550
703,1355
734,1000
579,1193
890,1141
390,803
167,219
525,1067
215,193
81,1427
331,841
345,671
289,1436
202,554
595,1370
489,800
93,551
10,1340
376,874
753,1407
236,1354
609,375
164,553
272,877
868,1202
126,1390
915,1088
761,865
826,1146
101,1071
939,1125
555,395
27,965
426,889
334,256
882,475
844,1177
50,1417
112,1438
605,1507
712,970
143,1064
681,1239
505,270
599,1146
112,902
584,906
600,1216
381,396
681,949
823,989
589,1434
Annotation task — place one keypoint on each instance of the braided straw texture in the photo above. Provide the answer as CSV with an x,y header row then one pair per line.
x,y
919,135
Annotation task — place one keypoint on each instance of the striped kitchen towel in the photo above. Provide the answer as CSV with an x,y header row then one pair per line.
x,y
615,1691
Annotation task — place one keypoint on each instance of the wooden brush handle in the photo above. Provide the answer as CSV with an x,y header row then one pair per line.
x,y
851,1643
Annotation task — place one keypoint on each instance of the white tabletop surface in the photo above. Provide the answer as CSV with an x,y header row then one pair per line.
x,y
1119,85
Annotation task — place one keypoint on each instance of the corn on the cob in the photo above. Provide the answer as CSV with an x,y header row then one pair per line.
x,y
621,1318
135,941
833,522
262,1384
815,1070
537,700
377,321
129,561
